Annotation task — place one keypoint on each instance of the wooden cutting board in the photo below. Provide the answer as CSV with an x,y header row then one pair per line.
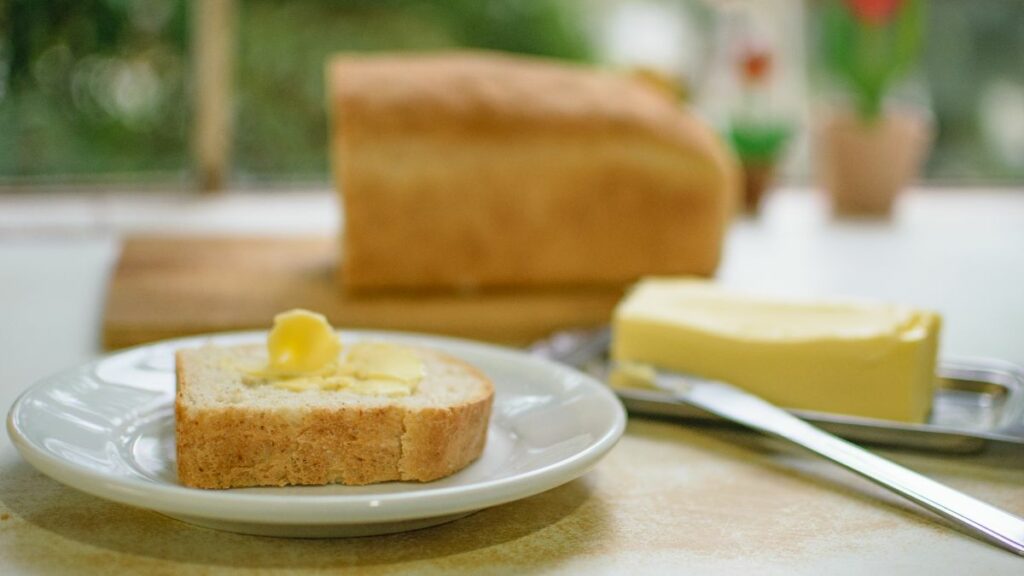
x,y
169,286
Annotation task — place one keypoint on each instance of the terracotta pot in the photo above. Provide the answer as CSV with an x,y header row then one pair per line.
x,y
865,164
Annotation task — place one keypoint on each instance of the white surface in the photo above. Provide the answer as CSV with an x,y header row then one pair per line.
x,y
292,212
107,428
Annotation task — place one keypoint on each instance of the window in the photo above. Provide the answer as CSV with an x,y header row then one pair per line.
x,y
107,91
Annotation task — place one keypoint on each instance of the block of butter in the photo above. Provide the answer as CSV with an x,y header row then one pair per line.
x,y
870,360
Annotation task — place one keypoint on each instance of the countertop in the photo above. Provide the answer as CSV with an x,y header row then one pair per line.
x,y
668,499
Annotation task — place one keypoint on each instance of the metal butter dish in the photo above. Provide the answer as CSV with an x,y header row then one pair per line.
x,y
978,402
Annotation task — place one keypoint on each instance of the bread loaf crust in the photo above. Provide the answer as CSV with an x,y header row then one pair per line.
x,y
476,169
239,446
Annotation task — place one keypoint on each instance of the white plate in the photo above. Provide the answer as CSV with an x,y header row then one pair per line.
x,y
107,428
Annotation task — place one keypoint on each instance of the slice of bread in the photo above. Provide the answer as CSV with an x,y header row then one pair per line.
x,y
232,434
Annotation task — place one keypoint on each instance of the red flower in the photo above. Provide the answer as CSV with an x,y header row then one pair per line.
x,y
755,65
874,12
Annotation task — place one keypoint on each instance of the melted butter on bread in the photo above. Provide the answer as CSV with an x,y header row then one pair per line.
x,y
305,353
301,343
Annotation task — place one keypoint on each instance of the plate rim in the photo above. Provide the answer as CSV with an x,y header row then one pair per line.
x,y
320,509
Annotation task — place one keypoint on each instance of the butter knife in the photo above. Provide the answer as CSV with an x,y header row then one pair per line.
x,y
973,516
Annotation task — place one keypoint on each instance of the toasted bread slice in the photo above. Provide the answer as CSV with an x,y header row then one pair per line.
x,y
232,434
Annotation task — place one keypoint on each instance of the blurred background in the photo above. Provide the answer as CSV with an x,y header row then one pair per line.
x,y
108,91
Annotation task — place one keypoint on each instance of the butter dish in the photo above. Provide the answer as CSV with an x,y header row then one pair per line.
x,y
978,403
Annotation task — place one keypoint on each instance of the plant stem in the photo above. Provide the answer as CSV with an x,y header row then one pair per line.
x,y
873,69
870,103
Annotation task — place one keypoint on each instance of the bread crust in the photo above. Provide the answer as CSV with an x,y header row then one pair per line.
x,y
478,169
239,446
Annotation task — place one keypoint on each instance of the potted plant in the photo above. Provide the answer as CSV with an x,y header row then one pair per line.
x,y
870,151
757,132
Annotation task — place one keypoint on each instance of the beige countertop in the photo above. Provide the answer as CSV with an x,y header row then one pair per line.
x,y
668,498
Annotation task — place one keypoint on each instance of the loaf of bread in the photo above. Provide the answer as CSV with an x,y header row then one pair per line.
x,y
234,434
478,169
